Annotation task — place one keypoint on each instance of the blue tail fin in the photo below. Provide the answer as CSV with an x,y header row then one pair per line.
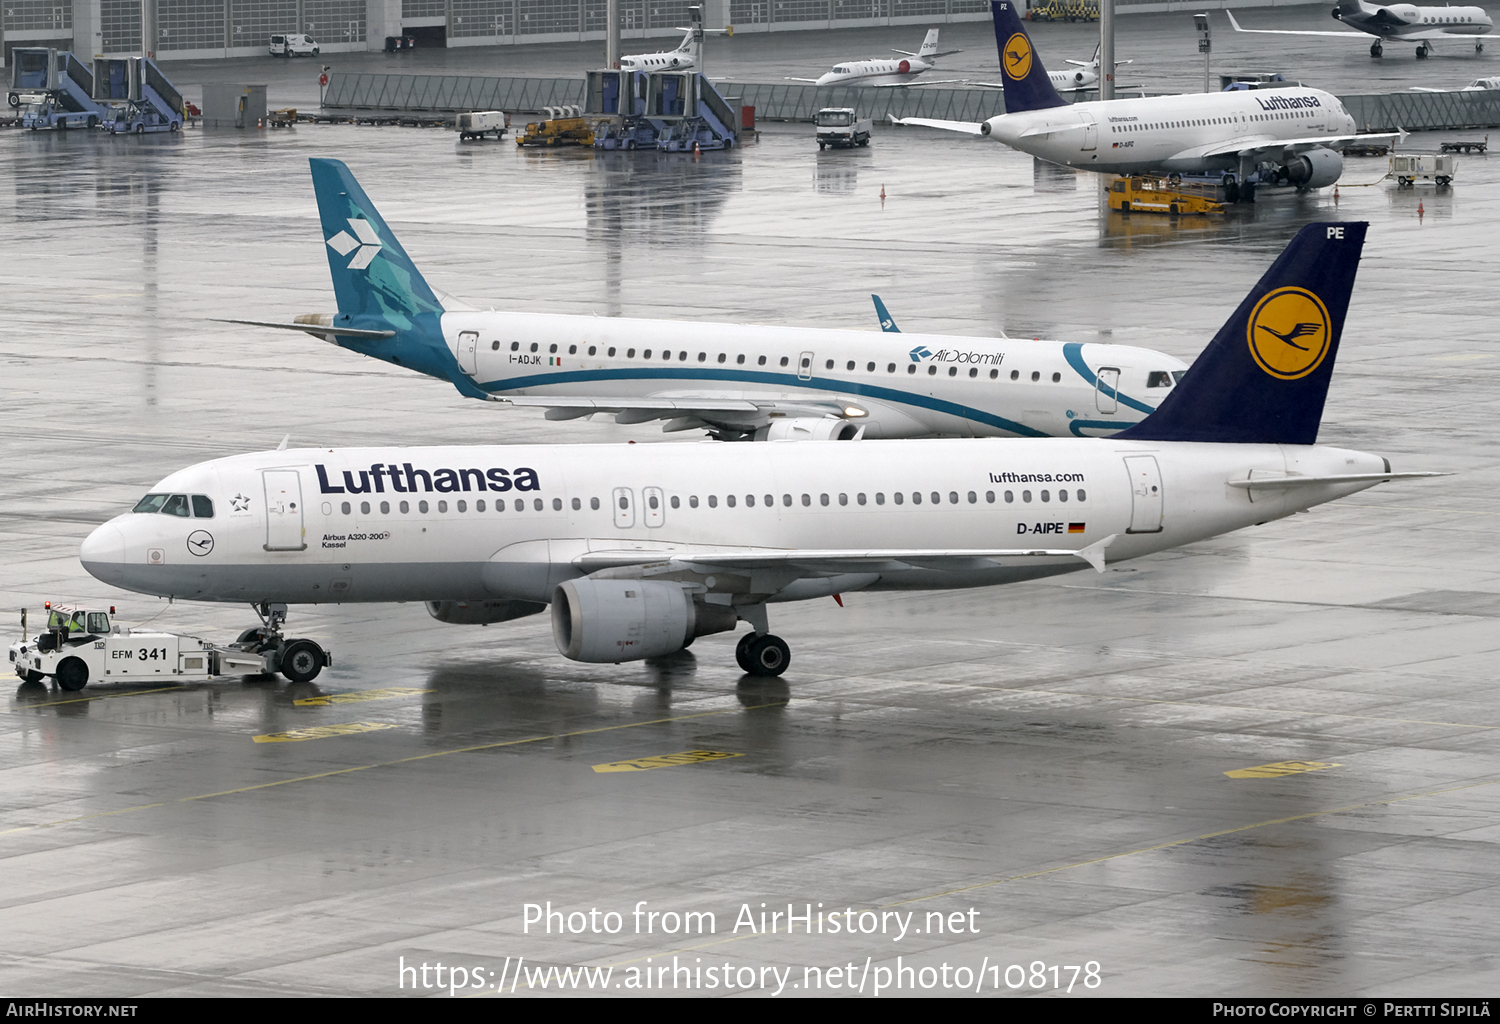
x,y
886,323
372,275
1264,376
1027,86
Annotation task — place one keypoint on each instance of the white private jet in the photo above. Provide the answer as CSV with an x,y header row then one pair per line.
x,y
1286,135
1478,85
1084,78
640,549
885,74
1398,23
688,55
737,381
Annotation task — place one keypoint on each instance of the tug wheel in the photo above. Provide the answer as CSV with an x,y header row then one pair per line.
x,y
73,674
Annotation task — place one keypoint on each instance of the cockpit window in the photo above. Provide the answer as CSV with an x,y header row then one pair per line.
x,y
1177,375
1159,379
150,503
176,505
203,508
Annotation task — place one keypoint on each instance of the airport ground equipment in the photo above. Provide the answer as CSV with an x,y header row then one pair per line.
x,y
1151,194
1241,80
141,98
562,126
233,106
1475,146
291,44
53,90
841,128
615,101
81,644
286,117
1065,10
476,124
1410,168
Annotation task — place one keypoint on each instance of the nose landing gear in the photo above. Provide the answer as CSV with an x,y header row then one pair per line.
x,y
300,660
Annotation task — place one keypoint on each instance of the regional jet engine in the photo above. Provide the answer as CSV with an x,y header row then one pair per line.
x,y
808,428
607,620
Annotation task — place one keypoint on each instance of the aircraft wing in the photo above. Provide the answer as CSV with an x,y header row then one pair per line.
x,y
967,127
814,81
694,411
1261,143
1298,32
836,561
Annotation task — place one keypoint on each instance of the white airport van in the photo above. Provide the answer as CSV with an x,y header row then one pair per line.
x,y
285,44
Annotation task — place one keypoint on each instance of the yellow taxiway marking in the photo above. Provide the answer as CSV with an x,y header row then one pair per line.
x,y
19,706
389,693
641,764
390,764
322,732
1280,768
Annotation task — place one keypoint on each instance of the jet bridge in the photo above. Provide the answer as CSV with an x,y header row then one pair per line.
x,y
142,99
56,88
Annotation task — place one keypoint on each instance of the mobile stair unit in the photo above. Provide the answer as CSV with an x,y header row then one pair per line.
x,y
667,110
53,90
141,98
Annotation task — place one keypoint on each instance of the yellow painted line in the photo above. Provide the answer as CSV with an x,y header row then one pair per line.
x,y
389,764
1280,768
641,764
22,705
389,693
322,732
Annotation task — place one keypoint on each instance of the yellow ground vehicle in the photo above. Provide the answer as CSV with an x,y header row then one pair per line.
x,y
564,126
1149,194
1064,10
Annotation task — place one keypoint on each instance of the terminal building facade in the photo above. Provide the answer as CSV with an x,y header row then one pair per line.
x,y
198,29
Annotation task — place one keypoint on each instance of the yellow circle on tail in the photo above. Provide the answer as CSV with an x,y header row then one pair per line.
x,y
1016,60
1289,333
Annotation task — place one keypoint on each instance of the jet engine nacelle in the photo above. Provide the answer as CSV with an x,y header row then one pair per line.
x,y
481,613
904,67
605,620
1315,168
807,428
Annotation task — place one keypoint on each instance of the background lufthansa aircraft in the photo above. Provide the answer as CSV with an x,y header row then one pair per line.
x,y
736,381
641,549
1290,134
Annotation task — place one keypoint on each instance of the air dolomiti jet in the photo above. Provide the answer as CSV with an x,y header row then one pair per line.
x,y
1287,135
640,549
886,74
736,381
1398,23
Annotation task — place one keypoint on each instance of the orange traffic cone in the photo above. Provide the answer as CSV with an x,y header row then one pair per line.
x,y
1335,194
1419,209
696,150
882,192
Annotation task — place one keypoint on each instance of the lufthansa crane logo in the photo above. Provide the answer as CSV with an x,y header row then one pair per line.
x,y
1017,54
1289,333
365,245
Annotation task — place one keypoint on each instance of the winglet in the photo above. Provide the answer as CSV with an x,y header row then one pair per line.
x,y
886,323
1094,553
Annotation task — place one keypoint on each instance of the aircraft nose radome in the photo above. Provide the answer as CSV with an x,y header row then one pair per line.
x,y
103,552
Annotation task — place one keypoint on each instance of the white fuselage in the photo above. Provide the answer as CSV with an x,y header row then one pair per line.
x,y
902,71
1173,133
908,385
512,522
1401,21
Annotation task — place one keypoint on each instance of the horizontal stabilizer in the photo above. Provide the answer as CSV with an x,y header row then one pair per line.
x,y
1281,483
319,330
967,127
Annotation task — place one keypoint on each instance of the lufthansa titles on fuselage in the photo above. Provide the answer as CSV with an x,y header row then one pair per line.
x,y
405,479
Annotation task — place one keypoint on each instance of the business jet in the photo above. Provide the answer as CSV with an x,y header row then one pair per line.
x,y
640,549
736,381
1478,85
687,56
886,74
1288,135
1398,23
1083,78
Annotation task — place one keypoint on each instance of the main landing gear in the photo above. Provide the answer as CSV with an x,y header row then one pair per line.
x,y
299,660
761,654
1376,49
1423,49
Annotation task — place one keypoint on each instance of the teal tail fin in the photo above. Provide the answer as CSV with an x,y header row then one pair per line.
x,y
886,322
372,274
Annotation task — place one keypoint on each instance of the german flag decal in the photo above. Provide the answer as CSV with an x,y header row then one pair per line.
x,y
1075,527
